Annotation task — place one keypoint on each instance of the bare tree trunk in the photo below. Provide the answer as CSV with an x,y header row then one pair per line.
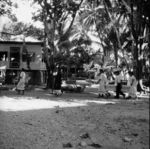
x,y
135,51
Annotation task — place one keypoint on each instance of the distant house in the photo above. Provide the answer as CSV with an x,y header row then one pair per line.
x,y
13,58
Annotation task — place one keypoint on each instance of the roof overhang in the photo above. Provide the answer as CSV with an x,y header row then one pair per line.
x,y
21,42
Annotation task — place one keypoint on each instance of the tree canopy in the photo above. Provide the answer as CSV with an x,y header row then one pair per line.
x,y
121,28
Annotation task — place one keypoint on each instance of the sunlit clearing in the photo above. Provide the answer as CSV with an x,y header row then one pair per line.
x,y
30,103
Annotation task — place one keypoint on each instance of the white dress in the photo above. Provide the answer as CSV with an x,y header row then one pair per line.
x,y
21,83
133,87
102,84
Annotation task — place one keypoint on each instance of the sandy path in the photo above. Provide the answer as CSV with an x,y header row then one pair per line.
x,y
124,125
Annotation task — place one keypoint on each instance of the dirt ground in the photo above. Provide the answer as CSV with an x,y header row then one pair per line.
x,y
118,124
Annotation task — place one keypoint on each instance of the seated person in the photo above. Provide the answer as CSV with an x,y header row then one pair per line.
x,y
141,88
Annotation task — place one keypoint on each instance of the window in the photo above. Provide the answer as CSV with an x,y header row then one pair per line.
x,y
3,56
14,57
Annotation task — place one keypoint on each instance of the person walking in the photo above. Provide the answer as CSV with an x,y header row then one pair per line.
x,y
102,84
133,86
57,82
118,83
21,84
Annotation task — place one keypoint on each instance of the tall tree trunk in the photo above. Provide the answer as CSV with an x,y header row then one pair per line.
x,y
116,55
135,51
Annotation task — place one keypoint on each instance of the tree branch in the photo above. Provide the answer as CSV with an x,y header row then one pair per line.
x,y
74,16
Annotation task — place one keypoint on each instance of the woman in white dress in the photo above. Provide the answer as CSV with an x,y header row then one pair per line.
x,y
21,83
133,86
102,84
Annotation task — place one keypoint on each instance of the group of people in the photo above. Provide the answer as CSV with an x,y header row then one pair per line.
x,y
118,78
102,80
55,82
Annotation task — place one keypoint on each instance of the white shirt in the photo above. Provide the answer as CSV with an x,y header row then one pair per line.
x,y
133,81
118,79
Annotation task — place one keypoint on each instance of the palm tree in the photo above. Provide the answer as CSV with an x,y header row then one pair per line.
x,y
138,17
97,20
75,49
94,19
